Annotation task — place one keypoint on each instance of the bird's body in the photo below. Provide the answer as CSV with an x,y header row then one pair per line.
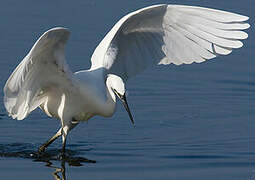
x,y
160,34
88,97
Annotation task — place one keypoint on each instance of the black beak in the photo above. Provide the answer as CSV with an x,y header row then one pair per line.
x,y
125,104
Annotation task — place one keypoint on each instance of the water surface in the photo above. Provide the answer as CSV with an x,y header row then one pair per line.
x,y
192,121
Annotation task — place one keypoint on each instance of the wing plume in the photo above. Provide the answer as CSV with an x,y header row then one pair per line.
x,y
44,65
165,34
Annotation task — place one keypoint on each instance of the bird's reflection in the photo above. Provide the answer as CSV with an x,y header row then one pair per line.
x,y
59,172
52,158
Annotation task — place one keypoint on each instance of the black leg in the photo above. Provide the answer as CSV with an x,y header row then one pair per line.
x,y
51,140
64,131
64,134
63,153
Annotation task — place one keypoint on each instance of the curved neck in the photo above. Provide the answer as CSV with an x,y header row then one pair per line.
x,y
98,89
110,103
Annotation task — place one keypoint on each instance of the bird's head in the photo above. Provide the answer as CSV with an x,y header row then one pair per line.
x,y
117,88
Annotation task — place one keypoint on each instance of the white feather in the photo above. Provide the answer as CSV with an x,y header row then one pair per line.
x,y
44,65
160,34
164,34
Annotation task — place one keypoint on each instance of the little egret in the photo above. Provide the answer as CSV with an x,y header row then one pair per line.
x,y
158,34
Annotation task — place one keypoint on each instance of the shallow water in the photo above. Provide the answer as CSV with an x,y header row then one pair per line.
x,y
192,122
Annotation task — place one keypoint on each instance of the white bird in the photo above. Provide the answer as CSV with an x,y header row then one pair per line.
x,y
158,34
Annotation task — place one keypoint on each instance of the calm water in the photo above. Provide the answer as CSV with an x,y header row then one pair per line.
x,y
192,122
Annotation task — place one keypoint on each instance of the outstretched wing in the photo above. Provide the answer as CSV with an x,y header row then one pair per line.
x,y
43,66
164,34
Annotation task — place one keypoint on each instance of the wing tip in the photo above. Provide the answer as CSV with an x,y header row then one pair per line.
x,y
57,32
247,25
245,18
58,29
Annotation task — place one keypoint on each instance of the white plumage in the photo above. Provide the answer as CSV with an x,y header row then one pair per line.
x,y
164,34
159,34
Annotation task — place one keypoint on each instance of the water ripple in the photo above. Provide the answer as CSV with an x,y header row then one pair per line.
x,y
198,157
2,115
26,150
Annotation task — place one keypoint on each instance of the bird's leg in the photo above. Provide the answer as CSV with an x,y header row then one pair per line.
x,y
51,140
65,131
